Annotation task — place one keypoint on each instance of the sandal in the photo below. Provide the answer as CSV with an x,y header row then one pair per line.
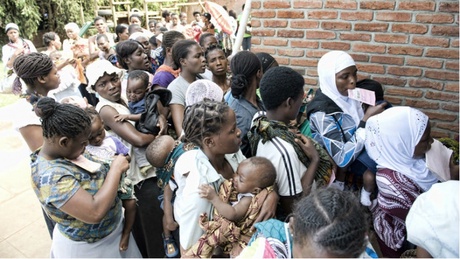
x,y
171,249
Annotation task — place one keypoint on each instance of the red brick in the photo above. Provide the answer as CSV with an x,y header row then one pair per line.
x,y
322,15
315,53
263,14
263,33
404,92
445,30
312,72
430,41
277,4
422,83
360,57
283,61
442,53
441,96
291,33
256,49
355,36
393,16
311,81
455,43
304,44
404,71
393,100
424,62
275,42
342,26
291,52
382,27
418,103
356,16
275,23
439,134
308,4
435,18
387,60
255,23
409,28
320,35
451,7
256,40
441,75
341,5
377,5
442,116
453,65
306,24
450,107
451,87
391,38
372,69
304,62
448,126
255,5
405,50
335,45
391,80
291,14
418,6
368,48
299,70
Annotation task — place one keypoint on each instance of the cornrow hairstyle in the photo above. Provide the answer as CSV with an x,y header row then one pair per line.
x,y
48,38
139,75
278,84
125,49
267,177
211,49
120,29
29,67
169,38
244,66
203,119
180,50
99,36
65,120
333,220
203,37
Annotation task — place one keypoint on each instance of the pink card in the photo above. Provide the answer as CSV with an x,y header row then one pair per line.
x,y
362,95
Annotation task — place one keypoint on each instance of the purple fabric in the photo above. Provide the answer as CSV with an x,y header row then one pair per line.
x,y
163,79
121,148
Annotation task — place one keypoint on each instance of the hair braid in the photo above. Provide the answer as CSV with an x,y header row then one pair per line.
x,y
203,119
29,67
66,120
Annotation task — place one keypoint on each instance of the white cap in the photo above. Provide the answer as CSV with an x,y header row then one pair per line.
x,y
11,26
97,69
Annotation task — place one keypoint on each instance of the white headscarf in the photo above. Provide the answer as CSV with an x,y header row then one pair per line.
x,y
201,89
330,64
391,137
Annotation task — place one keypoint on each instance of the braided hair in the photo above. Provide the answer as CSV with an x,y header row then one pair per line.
x,y
58,119
29,67
169,38
203,119
333,220
244,66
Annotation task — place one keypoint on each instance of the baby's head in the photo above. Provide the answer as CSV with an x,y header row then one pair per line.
x,y
329,223
158,151
97,135
253,175
138,83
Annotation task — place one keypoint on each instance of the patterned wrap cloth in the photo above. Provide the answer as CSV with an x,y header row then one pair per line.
x,y
231,236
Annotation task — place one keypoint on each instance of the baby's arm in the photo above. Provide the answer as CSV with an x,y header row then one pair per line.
x,y
232,213
168,209
125,117
130,215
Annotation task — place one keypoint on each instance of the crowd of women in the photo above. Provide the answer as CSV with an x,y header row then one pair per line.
x,y
233,120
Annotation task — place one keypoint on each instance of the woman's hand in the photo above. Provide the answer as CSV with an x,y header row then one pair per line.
x,y
374,110
162,124
308,147
121,162
268,209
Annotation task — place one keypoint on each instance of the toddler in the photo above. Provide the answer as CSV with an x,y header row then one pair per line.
x,y
106,148
236,207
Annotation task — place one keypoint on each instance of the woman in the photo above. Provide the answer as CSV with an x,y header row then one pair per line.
x,y
75,43
52,42
247,72
101,27
78,191
16,46
167,72
337,122
122,32
217,64
397,140
105,80
188,56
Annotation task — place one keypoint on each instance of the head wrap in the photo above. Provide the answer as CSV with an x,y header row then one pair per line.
x,y
266,59
328,66
391,137
97,69
201,89
11,26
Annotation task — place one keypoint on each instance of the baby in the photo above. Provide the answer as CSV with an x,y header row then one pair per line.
x,y
106,148
237,206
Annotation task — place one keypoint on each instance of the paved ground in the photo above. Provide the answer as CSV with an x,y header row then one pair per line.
x,y
23,232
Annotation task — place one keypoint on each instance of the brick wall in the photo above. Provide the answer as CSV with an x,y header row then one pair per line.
x,y
411,47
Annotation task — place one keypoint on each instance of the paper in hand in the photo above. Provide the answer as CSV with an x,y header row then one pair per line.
x,y
362,95
438,160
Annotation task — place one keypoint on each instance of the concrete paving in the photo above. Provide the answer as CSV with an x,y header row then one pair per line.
x,y
23,232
